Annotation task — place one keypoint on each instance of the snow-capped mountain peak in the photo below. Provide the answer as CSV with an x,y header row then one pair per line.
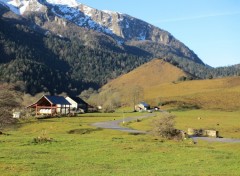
x,y
70,3
21,6
120,27
111,23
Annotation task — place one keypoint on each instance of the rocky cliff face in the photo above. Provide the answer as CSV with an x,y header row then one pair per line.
x,y
121,27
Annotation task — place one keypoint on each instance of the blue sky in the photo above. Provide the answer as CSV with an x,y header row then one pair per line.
x,y
211,28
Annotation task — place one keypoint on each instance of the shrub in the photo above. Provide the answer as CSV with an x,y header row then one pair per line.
x,y
43,138
164,127
182,78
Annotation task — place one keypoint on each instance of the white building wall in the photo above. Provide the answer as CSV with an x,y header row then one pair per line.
x,y
64,109
73,103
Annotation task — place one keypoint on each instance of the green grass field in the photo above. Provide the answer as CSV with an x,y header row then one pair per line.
x,y
227,123
108,152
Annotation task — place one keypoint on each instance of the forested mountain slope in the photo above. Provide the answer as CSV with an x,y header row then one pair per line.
x,y
64,46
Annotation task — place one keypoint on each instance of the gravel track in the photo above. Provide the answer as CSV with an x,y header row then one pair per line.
x,y
115,125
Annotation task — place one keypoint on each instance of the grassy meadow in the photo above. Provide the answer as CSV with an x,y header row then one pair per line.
x,y
227,123
79,149
74,147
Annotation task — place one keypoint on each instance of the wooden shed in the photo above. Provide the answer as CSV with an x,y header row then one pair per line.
x,y
51,105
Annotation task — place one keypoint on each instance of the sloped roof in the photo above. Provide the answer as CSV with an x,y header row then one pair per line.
x,y
57,100
52,100
78,100
145,104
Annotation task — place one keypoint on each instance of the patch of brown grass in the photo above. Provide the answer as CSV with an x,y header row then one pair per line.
x,y
209,94
148,75
159,82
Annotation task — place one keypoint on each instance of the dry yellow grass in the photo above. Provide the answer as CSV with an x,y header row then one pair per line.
x,y
221,93
150,74
158,80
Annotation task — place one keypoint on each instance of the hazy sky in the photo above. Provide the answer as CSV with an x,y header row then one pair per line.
x,y
211,28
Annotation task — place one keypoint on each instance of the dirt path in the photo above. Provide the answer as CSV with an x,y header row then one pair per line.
x,y
209,139
115,125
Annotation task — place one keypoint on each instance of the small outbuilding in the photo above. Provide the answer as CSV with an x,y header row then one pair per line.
x,y
51,105
16,115
142,107
77,104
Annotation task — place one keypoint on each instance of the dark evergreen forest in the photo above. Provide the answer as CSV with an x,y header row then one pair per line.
x,y
55,64
48,62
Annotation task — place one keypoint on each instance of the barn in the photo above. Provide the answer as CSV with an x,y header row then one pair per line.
x,y
51,105
77,104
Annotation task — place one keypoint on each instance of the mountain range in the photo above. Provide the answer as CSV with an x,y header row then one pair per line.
x,y
60,45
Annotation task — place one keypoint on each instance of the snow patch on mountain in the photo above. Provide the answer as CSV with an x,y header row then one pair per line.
x,y
70,3
87,10
108,22
127,24
75,15
16,6
19,7
24,6
111,12
142,36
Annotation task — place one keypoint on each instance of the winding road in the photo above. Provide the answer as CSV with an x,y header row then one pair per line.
x,y
115,125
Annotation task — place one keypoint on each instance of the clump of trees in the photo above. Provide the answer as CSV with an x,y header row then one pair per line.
x,y
165,127
201,71
109,100
8,101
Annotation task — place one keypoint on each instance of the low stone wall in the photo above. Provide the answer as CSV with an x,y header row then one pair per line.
x,y
201,132
210,133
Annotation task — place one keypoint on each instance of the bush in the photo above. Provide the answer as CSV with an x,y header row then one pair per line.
x,y
8,101
164,127
43,138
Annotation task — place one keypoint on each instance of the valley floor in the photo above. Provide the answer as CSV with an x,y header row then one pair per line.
x,y
77,148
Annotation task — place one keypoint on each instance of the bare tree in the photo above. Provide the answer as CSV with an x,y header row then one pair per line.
x,y
136,95
165,127
8,101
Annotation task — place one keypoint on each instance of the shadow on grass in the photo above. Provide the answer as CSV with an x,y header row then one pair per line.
x,y
4,134
84,131
136,134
